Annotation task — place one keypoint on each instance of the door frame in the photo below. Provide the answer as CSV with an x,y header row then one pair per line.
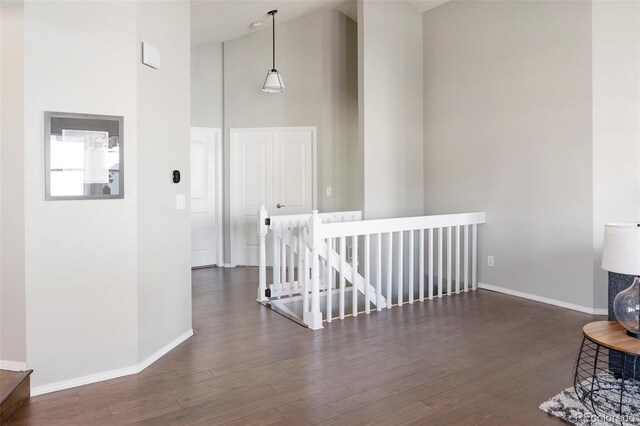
x,y
233,132
218,189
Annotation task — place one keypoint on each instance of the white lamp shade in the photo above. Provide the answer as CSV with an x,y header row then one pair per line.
x,y
273,83
621,253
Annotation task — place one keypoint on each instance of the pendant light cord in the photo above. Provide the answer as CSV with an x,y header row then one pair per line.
x,y
273,29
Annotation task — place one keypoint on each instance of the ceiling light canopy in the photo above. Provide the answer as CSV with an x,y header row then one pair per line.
x,y
273,82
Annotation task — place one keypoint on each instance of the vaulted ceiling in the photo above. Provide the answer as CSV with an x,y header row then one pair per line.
x,y
214,21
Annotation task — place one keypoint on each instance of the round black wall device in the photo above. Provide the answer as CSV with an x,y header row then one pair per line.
x,y
175,176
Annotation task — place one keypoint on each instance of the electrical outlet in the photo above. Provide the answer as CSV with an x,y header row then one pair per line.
x,y
328,191
490,261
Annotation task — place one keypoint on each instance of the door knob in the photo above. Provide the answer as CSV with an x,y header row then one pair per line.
x,y
280,205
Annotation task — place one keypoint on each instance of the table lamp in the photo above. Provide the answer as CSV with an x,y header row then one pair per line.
x,y
621,254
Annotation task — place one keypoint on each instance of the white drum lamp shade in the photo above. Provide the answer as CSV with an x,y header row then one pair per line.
x,y
621,253
273,83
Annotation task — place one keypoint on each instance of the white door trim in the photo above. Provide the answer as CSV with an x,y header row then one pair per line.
x,y
232,151
219,193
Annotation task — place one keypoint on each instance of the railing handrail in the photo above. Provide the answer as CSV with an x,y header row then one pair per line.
x,y
296,218
381,226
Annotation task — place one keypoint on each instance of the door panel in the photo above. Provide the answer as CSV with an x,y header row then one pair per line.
x,y
268,167
293,172
252,170
204,151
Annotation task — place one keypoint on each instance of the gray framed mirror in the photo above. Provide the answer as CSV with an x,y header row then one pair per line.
x,y
84,156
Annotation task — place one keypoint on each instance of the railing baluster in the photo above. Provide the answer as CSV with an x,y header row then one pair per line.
x,y
474,256
367,273
440,262
389,271
354,267
291,260
328,285
411,272
448,261
343,259
421,264
400,270
300,257
333,270
276,257
283,258
379,273
466,258
262,272
305,299
457,259
430,263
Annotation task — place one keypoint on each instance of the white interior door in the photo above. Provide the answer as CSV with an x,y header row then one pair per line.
x,y
206,218
293,172
270,167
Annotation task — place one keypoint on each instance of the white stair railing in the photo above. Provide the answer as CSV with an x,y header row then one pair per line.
x,y
383,270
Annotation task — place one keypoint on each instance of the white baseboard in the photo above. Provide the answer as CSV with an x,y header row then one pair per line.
x,y
573,307
227,265
84,380
12,365
112,374
164,350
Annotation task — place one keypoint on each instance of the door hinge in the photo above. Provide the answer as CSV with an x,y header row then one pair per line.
x,y
267,221
267,292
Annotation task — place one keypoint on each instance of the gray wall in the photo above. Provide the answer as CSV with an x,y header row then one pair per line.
x,y
164,233
616,124
390,108
207,85
12,268
317,57
507,130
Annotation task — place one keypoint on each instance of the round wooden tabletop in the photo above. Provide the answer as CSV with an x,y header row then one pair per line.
x,y
612,335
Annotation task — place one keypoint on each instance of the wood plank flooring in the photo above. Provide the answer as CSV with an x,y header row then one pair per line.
x,y
479,358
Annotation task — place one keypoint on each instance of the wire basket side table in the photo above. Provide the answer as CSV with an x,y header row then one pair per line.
x,y
607,374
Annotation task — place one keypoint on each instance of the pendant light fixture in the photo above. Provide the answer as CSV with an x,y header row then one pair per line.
x,y
273,83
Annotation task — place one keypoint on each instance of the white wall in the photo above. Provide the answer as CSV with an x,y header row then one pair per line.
x,y
164,233
390,108
81,256
616,124
12,292
507,130
207,85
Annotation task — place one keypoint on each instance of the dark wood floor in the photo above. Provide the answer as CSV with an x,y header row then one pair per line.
x,y
479,358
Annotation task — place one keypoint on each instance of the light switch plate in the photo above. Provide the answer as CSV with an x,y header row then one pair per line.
x,y
181,202
150,55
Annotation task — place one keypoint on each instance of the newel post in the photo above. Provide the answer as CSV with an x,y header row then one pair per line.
x,y
314,318
262,269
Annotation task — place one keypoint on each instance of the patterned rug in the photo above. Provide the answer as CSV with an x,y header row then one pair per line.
x,y
568,407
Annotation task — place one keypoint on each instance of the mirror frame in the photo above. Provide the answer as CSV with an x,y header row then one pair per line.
x,y
48,116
